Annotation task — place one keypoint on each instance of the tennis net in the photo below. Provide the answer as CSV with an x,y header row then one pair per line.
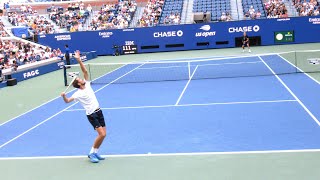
x,y
207,68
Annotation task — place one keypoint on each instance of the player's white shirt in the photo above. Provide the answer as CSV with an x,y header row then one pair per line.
x,y
87,98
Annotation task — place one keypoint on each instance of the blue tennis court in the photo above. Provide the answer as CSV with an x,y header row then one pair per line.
x,y
253,103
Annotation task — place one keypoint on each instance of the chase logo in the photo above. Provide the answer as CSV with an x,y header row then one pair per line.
x,y
168,34
255,28
205,27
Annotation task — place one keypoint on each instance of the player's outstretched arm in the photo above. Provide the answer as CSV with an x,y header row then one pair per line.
x,y
66,100
82,66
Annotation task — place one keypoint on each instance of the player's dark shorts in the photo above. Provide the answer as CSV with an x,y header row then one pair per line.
x,y
96,119
245,43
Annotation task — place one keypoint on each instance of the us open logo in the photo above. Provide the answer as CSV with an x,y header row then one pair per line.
x,y
205,34
314,61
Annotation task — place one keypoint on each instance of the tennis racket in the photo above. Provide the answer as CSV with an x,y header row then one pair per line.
x,y
74,78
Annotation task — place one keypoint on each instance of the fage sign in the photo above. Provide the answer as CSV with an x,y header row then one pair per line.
x,y
31,73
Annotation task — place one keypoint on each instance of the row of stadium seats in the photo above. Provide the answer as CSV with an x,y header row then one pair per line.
x,y
171,7
216,8
257,5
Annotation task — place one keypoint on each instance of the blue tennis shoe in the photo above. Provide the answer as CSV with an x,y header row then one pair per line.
x,y
93,158
99,157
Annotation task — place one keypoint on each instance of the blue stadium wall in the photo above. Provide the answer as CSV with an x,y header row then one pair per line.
x,y
186,37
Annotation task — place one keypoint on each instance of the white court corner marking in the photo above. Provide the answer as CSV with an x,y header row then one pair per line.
x,y
299,69
290,91
185,88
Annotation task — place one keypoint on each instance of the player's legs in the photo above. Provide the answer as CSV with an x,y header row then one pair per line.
x,y
102,132
97,121
248,45
100,128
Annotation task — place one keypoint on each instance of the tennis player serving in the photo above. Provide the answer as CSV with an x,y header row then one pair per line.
x,y
85,95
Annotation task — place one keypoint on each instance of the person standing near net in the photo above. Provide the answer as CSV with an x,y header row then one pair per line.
x,y
67,54
245,42
85,95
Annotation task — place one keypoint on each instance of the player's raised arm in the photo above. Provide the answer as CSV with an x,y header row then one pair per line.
x,y
65,98
82,66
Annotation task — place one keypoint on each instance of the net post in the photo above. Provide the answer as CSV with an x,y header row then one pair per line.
x,y
295,61
189,71
89,72
65,75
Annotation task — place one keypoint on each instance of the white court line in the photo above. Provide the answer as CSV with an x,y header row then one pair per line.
x,y
299,69
172,62
168,154
187,105
192,58
184,89
220,64
290,91
252,62
32,109
200,58
51,100
232,55
1,146
35,126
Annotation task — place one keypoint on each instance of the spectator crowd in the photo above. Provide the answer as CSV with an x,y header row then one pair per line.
x,y
276,9
3,33
252,13
307,8
16,53
114,16
152,12
73,18
225,16
172,19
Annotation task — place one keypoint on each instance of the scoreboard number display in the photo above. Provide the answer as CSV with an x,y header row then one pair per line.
x,y
130,49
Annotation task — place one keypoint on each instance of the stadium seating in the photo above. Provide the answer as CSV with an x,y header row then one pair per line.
x,y
114,16
28,1
307,8
257,6
171,7
215,7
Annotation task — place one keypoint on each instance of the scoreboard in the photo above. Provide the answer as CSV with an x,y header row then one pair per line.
x,y
283,36
130,49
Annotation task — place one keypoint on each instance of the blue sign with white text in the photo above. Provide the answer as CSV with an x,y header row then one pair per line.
x,y
186,37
